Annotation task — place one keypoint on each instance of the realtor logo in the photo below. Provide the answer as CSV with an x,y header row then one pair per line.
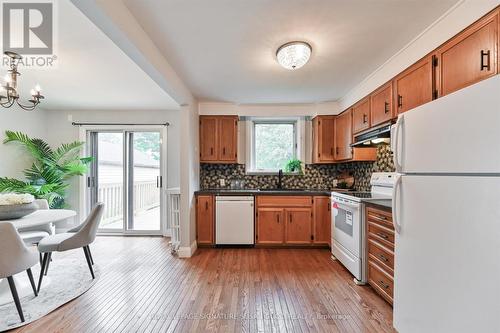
x,y
28,27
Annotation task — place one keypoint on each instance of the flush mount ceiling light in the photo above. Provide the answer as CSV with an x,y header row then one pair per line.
x,y
293,55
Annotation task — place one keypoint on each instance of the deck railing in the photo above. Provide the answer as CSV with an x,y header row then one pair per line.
x,y
146,196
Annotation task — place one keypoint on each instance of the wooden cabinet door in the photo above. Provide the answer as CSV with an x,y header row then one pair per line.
x,y
469,57
381,105
208,139
361,116
270,226
414,86
298,226
205,219
324,139
228,139
322,221
343,136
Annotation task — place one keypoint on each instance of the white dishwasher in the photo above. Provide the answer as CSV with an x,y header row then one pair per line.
x,y
234,223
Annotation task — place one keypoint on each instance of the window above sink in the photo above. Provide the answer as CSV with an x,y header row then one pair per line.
x,y
272,142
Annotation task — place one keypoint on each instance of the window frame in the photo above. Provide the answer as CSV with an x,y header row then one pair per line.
x,y
251,125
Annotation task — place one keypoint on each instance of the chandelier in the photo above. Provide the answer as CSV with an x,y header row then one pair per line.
x,y
8,92
293,55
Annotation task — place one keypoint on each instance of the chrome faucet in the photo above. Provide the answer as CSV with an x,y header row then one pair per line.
x,y
280,179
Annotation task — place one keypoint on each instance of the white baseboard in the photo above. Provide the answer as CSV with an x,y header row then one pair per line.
x,y
187,251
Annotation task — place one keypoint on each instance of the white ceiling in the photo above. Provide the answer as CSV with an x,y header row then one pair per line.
x,y
224,50
92,72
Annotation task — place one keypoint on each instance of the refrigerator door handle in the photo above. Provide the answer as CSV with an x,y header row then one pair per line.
x,y
395,148
395,192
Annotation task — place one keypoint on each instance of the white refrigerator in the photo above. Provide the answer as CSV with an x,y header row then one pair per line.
x,y
446,211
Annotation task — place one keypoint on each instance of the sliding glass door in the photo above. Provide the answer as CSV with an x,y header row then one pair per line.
x,y
126,176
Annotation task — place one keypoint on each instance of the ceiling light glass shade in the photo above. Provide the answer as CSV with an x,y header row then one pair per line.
x,y
293,55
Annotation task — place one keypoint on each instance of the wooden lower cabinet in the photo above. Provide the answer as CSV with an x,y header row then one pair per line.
x,y
298,226
322,221
270,223
292,220
205,220
380,251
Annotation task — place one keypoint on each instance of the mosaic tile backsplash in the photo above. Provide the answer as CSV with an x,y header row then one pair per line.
x,y
316,176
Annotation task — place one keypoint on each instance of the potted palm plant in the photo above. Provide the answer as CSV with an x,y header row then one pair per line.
x,y
48,176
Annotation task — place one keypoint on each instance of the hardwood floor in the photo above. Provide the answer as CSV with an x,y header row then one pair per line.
x,y
144,289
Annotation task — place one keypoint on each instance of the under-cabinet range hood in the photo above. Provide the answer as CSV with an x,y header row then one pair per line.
x,y
373,136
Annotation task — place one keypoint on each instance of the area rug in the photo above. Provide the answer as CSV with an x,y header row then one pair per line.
x,y
69,278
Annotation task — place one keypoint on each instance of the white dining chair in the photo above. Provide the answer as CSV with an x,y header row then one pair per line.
x,y
15,257
33,235
79,237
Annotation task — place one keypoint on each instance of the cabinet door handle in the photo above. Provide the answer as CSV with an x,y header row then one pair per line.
x,y
291,218
206,205
400,101
386,107
487,64
277,218
337,150
365,119
211,151
224,151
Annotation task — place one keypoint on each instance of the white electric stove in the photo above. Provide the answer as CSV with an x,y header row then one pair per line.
x,y
348,238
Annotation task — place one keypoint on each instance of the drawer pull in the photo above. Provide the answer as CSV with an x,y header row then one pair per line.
x,y
383,258
383,284
380,218
381,234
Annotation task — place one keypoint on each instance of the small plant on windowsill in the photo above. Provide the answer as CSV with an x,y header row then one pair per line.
x,y
294,166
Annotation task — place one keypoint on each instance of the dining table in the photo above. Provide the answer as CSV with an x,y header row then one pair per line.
x,y
35,219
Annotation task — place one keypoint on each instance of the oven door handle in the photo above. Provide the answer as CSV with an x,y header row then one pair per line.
x,y
345,204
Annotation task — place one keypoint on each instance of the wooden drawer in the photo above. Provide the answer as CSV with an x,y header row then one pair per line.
x,y
380,281
284,201
380,217
381,254
381,233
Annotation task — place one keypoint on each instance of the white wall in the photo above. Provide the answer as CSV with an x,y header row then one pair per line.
x,y
452,22
263,110
190,176
60,130
13,159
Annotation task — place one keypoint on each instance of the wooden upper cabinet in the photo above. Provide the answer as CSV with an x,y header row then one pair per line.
x,y
323,139
228,132
469,57
361,116
414,86
381,105
218,139
208,139
343,136
298,226
205,219
322,222
270,226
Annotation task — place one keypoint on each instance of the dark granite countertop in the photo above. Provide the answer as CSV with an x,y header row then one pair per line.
x,y
386,203
225,191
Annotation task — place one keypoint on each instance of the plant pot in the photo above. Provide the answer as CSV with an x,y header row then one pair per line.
x,y
10,212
